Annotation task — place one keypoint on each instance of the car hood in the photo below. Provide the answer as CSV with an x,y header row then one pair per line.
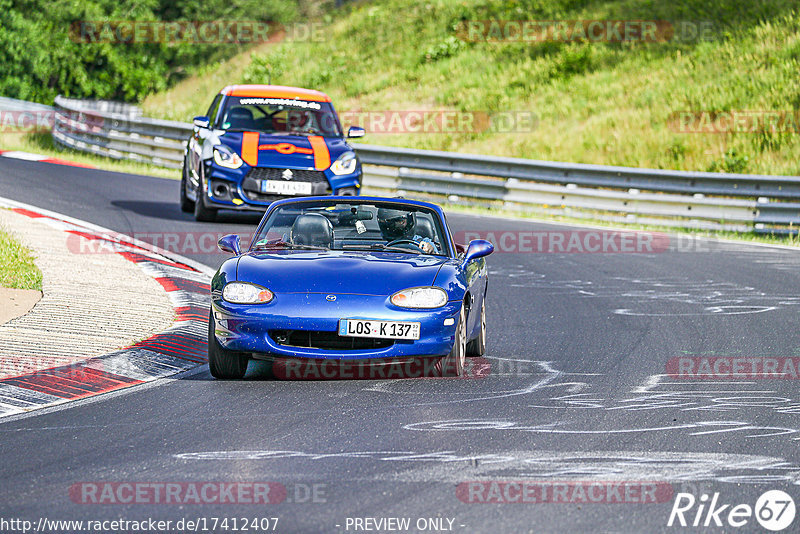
x,y
356,272
289,151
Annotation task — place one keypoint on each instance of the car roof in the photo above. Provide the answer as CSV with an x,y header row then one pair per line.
x,y
275,91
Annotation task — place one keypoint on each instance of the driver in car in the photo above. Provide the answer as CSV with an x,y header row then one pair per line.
x,y
399,225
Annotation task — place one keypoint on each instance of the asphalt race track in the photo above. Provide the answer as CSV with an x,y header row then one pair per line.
x,y
575,389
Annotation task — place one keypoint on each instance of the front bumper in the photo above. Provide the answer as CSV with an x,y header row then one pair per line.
x,y
250,328
237,189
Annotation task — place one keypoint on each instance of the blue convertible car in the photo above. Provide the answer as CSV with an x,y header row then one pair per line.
x,y
349,280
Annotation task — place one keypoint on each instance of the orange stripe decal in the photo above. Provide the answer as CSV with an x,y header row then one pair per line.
x,y
286,148
322,158
250,148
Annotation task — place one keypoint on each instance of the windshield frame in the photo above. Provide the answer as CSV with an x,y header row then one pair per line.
x,y
436,213
227,100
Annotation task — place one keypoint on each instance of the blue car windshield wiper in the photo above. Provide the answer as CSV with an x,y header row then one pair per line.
x,y
279,243
381,247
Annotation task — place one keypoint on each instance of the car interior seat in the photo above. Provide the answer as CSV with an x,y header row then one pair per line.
x,y
312,229
424,228
239,118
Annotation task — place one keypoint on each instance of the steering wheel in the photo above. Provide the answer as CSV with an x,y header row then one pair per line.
x,y
404,242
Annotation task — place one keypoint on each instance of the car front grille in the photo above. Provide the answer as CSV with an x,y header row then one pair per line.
x,y
251,185
326,340
298,175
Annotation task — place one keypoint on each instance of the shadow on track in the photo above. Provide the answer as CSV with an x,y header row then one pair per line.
x,y
171,211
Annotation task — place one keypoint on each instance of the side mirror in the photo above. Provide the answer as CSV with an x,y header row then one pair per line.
x,y
478,248
229,243
356,131
201,121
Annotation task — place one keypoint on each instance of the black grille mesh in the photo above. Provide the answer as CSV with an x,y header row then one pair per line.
x,y
326,340
298,175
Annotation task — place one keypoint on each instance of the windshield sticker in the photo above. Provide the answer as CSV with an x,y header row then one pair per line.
x,y
280,102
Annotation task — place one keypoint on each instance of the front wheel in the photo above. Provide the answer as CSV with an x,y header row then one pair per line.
x,y
187,206
477,347
223,363
201,212
453,364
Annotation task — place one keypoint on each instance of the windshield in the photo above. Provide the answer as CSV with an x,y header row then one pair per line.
x,y
367,226
279,116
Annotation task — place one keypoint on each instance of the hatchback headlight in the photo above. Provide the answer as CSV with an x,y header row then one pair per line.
x,y
225,157
346,164
244,293
420,297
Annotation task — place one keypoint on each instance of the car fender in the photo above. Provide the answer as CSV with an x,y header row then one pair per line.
x,y
461,279
451,277
209,142
225,274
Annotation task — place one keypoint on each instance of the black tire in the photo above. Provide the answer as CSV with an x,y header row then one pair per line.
x,y
201,212
223,364
477,347
453,364
187,206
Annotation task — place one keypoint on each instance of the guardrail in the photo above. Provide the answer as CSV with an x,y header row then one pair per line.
x,y
119,132
12,104
630,195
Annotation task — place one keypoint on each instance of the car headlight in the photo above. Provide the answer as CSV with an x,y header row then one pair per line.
x,y
346,164
420,297
225,157
244,293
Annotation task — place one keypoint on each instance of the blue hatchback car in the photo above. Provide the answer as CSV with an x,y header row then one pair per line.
x,y
261,143
365,281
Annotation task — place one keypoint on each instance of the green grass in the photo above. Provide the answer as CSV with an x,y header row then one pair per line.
x,y
603,103
17,270
42,143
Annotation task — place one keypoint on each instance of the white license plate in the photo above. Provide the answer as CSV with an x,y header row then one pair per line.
x,y
380,329
285,188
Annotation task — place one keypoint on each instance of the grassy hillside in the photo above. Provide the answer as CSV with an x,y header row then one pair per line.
x,y
44,51
606,103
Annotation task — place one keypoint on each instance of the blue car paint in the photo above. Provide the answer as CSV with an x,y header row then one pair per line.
x,y
363,282
244,328
322,271
272,158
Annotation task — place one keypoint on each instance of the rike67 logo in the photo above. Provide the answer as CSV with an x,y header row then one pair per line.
x,y
774,510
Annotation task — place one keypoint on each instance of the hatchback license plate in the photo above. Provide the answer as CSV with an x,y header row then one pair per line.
x,y
285,188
